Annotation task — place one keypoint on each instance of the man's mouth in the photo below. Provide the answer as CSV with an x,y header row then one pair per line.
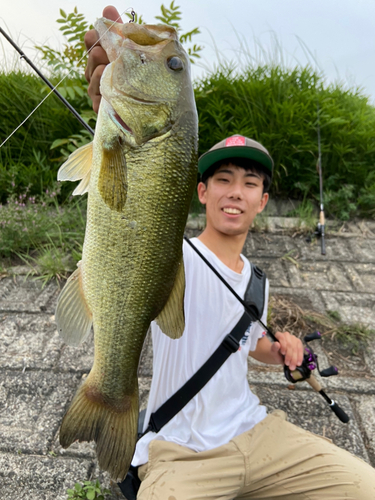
x,y
232,211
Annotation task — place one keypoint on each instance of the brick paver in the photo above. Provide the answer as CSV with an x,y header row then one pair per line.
x,y
39,374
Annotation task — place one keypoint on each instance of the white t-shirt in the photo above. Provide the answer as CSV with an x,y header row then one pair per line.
x,y
225,407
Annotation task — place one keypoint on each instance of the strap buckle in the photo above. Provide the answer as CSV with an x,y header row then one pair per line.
x,y
231,343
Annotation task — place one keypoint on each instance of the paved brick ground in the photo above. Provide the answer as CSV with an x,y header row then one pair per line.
x,y
39,374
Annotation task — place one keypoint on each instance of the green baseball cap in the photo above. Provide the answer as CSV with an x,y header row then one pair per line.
x,y
236,146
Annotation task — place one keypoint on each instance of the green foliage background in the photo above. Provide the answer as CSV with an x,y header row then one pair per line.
x,y
273,104
26,159
279,107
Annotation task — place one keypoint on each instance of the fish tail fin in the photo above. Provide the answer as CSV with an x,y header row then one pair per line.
x,y
113,428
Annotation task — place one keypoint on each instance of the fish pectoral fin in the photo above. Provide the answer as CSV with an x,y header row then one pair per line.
x,y
73,316
171,320
77,167
112,178
83,186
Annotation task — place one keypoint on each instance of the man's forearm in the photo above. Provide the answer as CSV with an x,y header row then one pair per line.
x,y
287,350
264,354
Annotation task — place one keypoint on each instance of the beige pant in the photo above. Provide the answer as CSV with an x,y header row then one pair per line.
x,y
274,460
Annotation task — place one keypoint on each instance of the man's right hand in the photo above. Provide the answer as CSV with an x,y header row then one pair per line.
x,y
98,59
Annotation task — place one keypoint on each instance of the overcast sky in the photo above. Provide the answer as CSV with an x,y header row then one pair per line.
x,y
340,34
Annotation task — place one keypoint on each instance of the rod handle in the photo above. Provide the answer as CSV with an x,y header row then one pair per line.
x,y
323,245
321,218
314,383
339,412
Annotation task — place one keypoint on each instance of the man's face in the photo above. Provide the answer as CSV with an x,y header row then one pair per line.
x,y
233,197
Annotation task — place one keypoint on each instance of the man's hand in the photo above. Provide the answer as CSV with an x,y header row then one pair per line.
x,y
98,59
288,350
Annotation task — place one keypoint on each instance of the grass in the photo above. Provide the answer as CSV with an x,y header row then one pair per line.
x,y
260,223
89,490
285,315
43,234
307,214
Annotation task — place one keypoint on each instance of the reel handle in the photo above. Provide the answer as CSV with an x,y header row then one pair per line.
x,y
328,372
312,336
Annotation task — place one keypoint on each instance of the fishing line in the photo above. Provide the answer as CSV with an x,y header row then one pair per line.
x,y
55,87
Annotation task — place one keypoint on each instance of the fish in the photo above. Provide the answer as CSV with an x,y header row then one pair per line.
x,y
140,172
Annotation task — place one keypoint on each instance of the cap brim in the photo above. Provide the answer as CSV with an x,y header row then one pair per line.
x,y
211,157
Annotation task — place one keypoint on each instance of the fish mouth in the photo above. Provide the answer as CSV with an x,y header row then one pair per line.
x,y
138,99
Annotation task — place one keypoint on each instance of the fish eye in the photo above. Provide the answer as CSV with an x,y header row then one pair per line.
x,y
175,63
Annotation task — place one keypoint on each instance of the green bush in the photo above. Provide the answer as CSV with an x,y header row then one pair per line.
x,y
278,107
26,160
271,103
366,200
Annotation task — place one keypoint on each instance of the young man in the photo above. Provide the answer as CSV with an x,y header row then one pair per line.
x,y
222,444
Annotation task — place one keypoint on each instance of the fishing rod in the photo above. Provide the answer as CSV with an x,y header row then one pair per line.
x,y
47,82
321,224
310,360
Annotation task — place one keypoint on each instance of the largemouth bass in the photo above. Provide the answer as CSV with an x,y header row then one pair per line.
x,y
140,173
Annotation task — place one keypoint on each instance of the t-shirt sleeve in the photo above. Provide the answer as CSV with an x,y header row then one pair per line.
x,y
257,329
186,254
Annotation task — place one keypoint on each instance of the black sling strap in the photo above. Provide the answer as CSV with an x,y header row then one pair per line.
x,y
180,398
254,297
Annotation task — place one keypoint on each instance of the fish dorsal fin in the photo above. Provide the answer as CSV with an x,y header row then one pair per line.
x,y
171,320
73,316
77,167
112,182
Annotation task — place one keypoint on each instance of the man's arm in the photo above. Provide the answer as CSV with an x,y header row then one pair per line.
x,y
288,350
98,59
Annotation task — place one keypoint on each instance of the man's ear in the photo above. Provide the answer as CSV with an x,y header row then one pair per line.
x,y
202,190
263,202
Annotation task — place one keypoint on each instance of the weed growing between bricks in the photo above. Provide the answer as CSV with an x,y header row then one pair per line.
x,y
89,490
285,315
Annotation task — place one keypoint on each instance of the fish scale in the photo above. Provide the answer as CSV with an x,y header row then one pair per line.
x,y
142,173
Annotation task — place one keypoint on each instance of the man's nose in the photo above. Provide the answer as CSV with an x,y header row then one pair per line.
x,y
235,191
